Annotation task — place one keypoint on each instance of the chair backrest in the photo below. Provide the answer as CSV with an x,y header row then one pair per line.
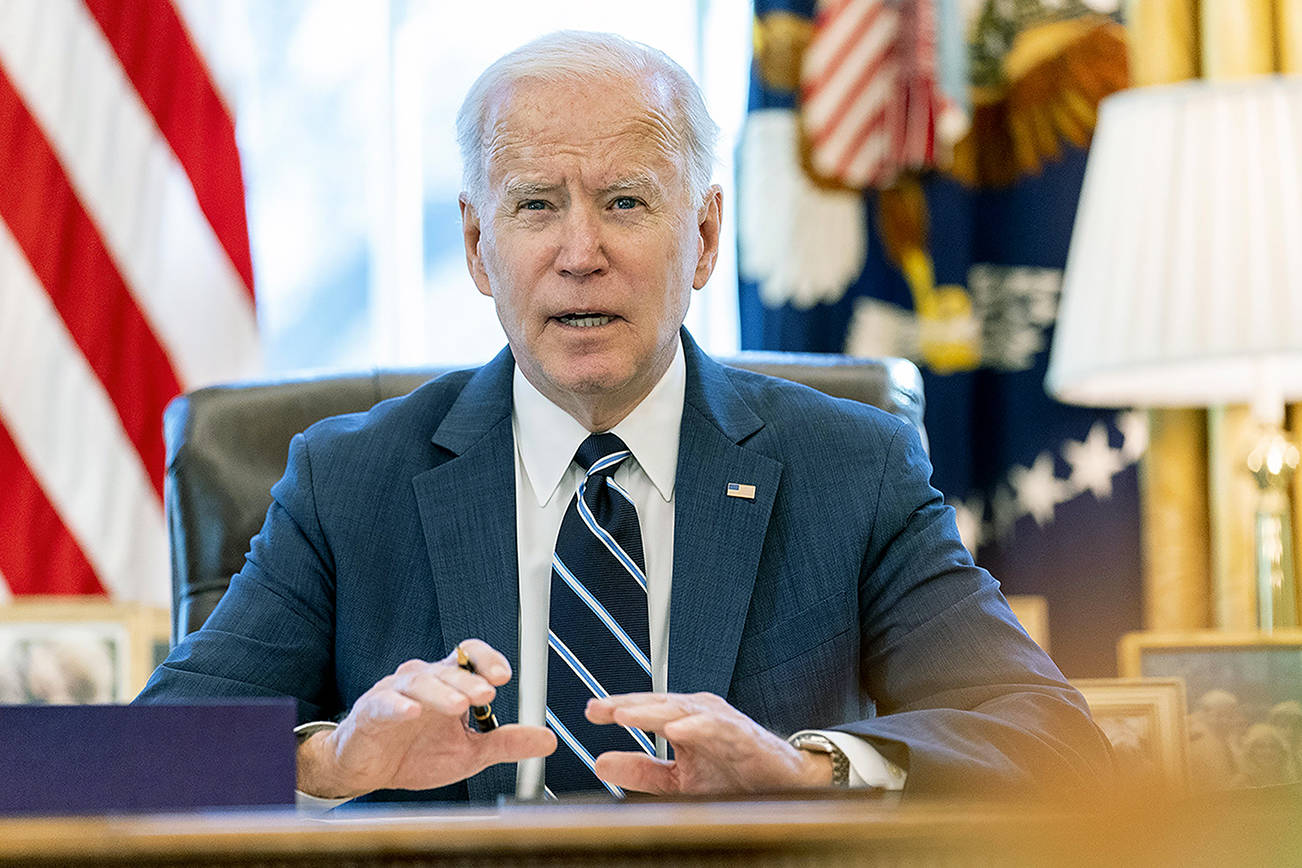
x,y
227,445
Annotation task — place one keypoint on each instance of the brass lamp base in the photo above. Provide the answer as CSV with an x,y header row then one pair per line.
x,y
1272,463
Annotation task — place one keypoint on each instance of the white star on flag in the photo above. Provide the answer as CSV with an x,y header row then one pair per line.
x,y
1094,462
1039,491
1133,425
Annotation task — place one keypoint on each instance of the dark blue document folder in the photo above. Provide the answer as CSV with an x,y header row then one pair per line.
x,y
79,759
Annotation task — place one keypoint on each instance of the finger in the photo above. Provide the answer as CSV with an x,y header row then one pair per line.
x,y
407,667
387,707
514,742
660,705
649,716
475,687
487,661
701,728
637,771
617,700
434,693
599,711
414,672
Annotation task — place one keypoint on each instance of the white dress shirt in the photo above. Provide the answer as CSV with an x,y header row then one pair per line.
x,y
546,477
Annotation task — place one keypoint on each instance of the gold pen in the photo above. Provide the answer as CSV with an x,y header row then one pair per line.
x,y
481,715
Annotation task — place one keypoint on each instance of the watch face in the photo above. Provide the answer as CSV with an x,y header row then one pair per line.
x,y
815,743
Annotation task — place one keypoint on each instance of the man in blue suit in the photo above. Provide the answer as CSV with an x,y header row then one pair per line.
x,y
813,616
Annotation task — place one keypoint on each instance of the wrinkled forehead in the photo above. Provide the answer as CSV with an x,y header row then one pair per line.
x,y
613,124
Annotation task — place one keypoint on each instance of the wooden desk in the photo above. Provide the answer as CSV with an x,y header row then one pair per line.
x,y
1247,831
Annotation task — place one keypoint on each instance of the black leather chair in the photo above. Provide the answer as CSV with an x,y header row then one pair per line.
x,y
227,445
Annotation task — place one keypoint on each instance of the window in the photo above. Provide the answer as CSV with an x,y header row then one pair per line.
x,y
345,123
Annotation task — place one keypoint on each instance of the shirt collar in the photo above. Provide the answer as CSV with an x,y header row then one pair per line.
x,y
547,437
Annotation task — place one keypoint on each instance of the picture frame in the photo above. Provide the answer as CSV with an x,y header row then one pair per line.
x,y
151,630
1144,719
1032,611
77,650
1243,694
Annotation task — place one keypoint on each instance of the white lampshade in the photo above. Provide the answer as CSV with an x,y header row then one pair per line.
x,y
1183,284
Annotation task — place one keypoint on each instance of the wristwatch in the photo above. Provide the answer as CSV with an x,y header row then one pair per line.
x,y
304,731
816,743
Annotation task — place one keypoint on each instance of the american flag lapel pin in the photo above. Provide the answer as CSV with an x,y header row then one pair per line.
x,y
737,489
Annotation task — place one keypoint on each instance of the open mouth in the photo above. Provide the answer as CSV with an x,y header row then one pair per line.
x,y
585,320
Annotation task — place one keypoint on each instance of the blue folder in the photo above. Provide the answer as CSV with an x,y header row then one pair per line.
x,y
84,759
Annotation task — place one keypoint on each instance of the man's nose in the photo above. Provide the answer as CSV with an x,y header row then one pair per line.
x,y
582,252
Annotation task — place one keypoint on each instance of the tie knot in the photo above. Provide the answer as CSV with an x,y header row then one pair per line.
x,y
601,453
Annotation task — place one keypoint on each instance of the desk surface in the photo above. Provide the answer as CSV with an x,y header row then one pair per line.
x,y
1254,830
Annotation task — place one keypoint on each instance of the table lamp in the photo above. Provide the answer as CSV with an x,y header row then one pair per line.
x,y
1183,284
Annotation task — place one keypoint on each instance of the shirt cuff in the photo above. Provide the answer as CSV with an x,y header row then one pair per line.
x,y
868,768
312,806
306,803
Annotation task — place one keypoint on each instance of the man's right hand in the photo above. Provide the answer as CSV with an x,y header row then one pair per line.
x,y
410,731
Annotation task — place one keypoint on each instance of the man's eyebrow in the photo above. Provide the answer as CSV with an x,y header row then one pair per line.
x,y
641,181
525,189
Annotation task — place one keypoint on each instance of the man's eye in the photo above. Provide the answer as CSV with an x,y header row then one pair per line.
x,y
623,203
533,205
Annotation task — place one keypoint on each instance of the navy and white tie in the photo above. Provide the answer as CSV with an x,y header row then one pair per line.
x,y
598,639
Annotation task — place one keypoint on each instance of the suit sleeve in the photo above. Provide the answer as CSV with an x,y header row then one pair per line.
x,y
966,701
272,633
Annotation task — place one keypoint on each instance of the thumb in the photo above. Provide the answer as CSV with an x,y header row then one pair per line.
x,y
514,742
637,771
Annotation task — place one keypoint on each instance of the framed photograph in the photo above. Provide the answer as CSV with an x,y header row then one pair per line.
x,y
1032,610
77,650
151,640
1144,718
1243,700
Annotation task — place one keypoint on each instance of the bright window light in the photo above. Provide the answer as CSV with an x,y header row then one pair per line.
x,y
346,129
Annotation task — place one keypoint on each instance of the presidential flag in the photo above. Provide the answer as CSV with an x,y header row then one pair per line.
x,y
927,215
125,278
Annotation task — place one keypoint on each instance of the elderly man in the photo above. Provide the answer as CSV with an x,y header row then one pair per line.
x,y
701,580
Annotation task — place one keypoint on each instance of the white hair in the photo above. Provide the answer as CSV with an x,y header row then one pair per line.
x,y
576,55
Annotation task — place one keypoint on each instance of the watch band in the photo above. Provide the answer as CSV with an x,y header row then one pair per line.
x,y
304,731
817,743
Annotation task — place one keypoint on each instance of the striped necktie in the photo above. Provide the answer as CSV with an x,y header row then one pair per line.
x,y
598,639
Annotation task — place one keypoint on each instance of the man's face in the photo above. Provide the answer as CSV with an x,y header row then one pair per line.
x,y
588,240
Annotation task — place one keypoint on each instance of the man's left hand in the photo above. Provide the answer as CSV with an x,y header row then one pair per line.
x,y
717,749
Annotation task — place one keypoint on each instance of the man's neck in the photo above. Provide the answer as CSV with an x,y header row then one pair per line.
x,y
601,417
600,412
547,435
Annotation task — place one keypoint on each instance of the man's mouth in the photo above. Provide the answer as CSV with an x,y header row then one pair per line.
x,y
585,320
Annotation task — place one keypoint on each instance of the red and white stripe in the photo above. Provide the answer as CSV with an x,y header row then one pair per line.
x,y
868,89
125,278
922,97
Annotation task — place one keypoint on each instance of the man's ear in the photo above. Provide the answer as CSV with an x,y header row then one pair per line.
x,y
471,234
710,219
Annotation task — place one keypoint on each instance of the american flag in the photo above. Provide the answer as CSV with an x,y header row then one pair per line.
x,y
869,90
737,489
1046,496
125,278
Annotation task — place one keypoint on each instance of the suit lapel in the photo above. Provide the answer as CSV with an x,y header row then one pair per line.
x,y
717,538
467,510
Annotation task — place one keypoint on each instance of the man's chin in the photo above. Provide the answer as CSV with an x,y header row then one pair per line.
x,y
590,380
592,385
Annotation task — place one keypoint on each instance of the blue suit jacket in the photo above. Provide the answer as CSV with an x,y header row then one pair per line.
x,y
841,590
